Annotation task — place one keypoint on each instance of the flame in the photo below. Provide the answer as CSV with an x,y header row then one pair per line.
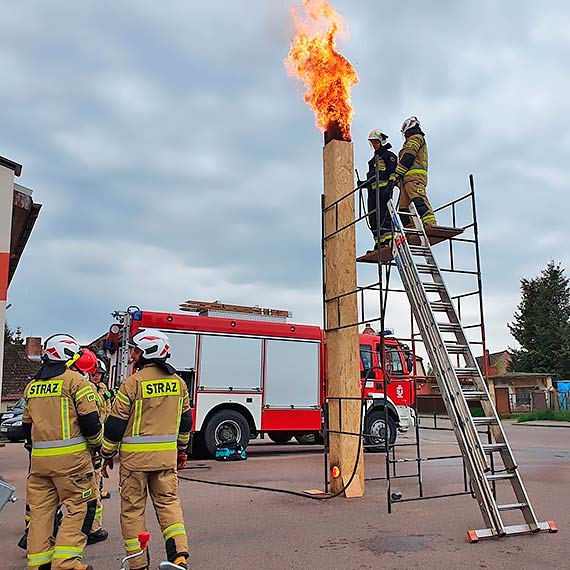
x,y
328,77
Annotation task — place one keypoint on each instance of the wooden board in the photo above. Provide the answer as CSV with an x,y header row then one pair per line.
x,y
436,234
341,309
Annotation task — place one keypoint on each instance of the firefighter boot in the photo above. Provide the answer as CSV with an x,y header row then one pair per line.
x,y
181,562
97,536
23,542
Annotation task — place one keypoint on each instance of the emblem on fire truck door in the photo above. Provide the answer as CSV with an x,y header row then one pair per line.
x,y
399,391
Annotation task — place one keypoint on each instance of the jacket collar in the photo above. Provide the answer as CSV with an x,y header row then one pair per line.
x,y
50,370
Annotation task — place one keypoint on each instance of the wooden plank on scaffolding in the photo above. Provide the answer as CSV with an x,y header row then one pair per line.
x,y
436,234
341,313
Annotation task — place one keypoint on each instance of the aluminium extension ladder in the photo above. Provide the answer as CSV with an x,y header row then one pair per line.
x,y
445,342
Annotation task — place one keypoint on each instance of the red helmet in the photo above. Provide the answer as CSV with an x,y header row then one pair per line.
x,y
86,361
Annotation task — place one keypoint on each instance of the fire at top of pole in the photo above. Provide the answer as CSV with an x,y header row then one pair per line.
x,y
328,77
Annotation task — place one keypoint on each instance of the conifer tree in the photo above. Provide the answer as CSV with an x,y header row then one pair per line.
x,y
541,324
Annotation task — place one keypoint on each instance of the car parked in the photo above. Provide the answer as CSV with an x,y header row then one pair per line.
x,y
12,428
16,410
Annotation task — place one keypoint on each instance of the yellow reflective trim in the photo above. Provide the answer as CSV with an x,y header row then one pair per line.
x,y
412,144
173,530
45,388
40,557
137,418
123,398
98,512
132,545
179,415
96,440
65,427
67,552
63,450
109,446
417,171
141,447
87,391
160,388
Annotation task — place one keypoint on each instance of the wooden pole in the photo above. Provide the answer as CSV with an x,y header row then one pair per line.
x,y
341,309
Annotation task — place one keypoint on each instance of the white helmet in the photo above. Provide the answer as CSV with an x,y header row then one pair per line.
x,y
377,135
153,343
409,123
60,348
101,366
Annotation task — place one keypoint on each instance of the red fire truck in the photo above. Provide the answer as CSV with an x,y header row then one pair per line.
x,y
252,374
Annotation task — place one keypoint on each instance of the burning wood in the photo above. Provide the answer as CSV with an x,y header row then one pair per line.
x,y
328,76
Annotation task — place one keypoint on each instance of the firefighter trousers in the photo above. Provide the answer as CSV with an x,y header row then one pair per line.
x,y
76,492
381,212
415,191
98,520
163,489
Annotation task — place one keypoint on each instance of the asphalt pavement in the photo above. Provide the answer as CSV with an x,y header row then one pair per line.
x,y
239,529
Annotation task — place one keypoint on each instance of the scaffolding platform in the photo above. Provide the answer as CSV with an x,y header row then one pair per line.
x,y
436,234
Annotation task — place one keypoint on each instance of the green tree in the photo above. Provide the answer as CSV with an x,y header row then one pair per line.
x,y
13,337
541,324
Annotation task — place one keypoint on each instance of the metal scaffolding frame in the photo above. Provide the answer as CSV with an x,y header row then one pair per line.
x,y
462,214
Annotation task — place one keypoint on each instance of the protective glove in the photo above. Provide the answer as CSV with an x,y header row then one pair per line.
x,y
110,394
107,464
181,459
97,461
391,183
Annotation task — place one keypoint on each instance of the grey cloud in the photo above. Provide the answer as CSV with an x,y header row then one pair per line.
x,y
175,131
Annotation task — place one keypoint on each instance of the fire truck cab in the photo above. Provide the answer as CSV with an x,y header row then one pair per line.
x,y
249,377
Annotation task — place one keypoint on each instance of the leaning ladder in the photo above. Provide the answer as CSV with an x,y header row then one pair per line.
x,y
445,341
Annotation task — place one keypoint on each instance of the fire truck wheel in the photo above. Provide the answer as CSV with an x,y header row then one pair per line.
x,y
279,437
226,426
375,426
310,439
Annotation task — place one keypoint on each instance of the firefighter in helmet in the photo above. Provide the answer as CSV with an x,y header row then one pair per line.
x,y
107,397
151,422
87,364
411,174
61,424
380,167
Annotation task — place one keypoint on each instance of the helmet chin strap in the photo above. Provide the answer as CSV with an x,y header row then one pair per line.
x,y
73,360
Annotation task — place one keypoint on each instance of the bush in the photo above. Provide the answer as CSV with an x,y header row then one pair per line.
x,y
562,416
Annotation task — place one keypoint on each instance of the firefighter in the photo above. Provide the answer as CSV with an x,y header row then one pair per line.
x,y
107,396
87,364
411,174
380,167
150,420
60,423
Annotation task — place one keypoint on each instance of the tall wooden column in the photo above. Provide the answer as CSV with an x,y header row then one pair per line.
x,y
342,343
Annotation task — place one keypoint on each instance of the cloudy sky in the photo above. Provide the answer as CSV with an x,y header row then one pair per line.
x,y
176,159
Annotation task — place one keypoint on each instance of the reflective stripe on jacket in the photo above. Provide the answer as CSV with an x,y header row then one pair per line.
x,y
53,408
416,146
151,403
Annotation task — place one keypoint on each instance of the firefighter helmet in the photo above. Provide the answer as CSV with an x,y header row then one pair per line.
x,y
86,361
153,344
101,367
60,348
377,135
409,123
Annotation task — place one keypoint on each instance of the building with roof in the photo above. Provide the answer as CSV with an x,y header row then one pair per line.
x,y
18,215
